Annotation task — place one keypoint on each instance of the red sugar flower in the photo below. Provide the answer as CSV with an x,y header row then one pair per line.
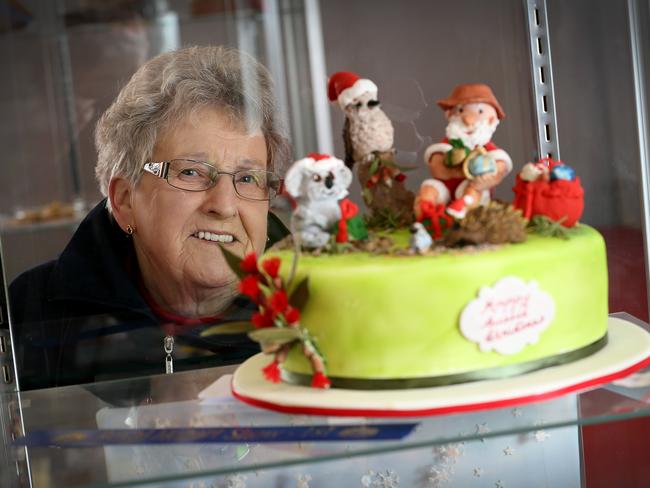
x,y
250,287
277,302
319,380
271,266
292,315
272,372
262,319
249,263
400,177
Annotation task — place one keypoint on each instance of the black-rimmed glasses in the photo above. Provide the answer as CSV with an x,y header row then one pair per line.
x,y
190,175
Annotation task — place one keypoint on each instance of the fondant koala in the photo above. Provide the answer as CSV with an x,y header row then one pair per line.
x,y
317,183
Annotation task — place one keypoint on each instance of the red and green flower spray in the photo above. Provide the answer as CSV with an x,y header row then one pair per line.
x,y
276,324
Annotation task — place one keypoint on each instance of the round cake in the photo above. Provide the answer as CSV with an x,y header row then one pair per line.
x,y
402,321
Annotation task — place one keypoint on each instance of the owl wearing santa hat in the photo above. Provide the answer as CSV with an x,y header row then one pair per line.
x,y
367,129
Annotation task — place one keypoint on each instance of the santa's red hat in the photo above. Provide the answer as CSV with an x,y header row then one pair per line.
x,y
345,86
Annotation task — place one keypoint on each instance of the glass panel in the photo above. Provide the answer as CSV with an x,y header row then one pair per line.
x,y
509,438
65,62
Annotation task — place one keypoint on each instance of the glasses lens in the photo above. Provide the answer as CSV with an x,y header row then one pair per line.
x,y
256,184
190,175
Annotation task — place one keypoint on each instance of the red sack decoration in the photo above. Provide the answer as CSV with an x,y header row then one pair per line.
x,y
348,210
555,199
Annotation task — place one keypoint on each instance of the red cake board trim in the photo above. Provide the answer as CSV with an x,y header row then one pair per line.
x,y
470,407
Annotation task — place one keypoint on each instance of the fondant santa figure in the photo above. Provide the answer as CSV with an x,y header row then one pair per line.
x,y
466,165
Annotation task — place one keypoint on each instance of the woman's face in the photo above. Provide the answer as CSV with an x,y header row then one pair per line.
x,y
168,220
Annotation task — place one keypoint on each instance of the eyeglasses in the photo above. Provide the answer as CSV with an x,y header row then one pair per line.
x,y
190,175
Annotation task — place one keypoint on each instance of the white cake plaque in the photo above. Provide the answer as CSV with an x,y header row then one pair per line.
x,y
507,316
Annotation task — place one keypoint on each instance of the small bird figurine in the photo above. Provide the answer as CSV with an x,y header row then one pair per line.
x,y
368,130
420,241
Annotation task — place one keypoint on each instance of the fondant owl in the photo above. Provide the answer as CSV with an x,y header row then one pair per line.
x,y
367,129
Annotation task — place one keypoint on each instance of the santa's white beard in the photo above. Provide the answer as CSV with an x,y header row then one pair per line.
x,y
482,134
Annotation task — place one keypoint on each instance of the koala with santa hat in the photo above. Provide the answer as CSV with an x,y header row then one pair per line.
x,y
466,165
317,183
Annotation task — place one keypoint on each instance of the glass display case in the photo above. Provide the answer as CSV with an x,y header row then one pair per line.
x,y
65,62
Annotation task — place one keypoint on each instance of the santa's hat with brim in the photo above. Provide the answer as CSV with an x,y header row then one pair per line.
x,y
472,93
344,87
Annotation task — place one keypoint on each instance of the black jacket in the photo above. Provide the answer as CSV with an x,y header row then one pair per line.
x,y
81,318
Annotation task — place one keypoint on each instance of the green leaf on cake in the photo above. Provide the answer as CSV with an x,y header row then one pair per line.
x,y
357,229
389,163
272,339
374,166
300,294
234,262
228,328
546,227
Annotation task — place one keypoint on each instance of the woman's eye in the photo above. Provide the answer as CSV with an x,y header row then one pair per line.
x,y
189,172
480,110
460,110
250,179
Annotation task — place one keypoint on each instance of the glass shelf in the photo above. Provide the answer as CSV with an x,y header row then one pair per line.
x,y
162,402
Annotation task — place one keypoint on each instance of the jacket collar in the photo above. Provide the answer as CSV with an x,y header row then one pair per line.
x,y
92,267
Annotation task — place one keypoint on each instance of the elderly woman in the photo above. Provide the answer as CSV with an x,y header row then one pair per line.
x,y
188,158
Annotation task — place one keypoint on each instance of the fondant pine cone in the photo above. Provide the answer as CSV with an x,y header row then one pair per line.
x,y
495,223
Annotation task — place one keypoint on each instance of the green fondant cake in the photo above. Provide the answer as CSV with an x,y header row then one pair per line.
x,y
395,320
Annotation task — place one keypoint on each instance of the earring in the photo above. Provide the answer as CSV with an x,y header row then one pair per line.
x,y
129,229
268,239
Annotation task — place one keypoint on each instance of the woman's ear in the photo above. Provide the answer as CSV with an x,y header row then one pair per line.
x,y
119,195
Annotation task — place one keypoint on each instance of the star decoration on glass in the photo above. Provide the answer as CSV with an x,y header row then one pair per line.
x,y
516,412
302,481
478,472
236,481
541,435
438,476
448,452
508,451
386,479
482,429
499,484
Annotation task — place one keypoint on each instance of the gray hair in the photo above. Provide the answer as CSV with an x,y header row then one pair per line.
x,y
173,85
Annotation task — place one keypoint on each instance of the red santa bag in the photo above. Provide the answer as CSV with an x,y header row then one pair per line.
x,y
555,199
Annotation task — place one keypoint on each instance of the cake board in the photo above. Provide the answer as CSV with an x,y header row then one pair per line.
x,y
627,351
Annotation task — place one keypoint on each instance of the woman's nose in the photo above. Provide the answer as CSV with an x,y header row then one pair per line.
x,y
221,199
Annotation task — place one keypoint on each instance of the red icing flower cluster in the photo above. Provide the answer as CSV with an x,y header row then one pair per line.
x,y
264,286
274,304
